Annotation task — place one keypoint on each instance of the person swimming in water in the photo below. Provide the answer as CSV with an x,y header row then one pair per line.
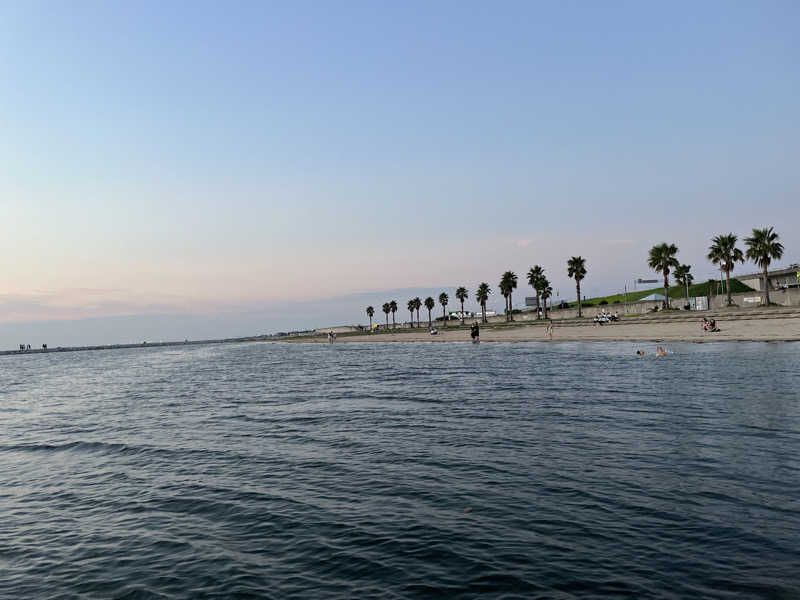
x,y
661,352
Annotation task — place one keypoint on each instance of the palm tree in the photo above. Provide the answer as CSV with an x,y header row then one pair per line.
x,y
504,291
723,252
411,306
576,268
513,279
370,314
534,276
684,279
443,300
429,304
546,292
462,295
661,259
393,308
386,309
762,247
508,284
482,296
417,306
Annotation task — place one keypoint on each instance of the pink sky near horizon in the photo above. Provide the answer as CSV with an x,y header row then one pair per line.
x,y
249,158
247,283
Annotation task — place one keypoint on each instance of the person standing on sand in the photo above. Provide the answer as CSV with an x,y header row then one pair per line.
x,y
549,332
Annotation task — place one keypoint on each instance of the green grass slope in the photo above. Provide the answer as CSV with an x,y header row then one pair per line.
x,y
676,291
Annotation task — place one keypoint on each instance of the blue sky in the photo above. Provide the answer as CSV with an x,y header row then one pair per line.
x,y
197,159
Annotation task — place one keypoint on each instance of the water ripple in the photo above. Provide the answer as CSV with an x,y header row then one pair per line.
x,y
401,471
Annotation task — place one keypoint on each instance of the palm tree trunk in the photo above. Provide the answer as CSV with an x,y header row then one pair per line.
x,y
538,306
412,320
429,319
545,308
370,323
462,313
387,321
666,289
578,288
483,306
510,308
444,315
393,322
728,283
766,284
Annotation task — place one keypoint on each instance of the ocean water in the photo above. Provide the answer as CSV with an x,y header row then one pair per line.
x,y
401,471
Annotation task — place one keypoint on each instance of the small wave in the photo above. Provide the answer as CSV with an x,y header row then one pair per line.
x,y
82,446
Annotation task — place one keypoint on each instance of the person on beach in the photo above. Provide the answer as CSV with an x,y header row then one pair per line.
x,y
549,332
475,333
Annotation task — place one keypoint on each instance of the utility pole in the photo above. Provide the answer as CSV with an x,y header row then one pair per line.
x,y
626,298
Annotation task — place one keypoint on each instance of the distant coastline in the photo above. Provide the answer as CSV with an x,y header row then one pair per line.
x,y
128,346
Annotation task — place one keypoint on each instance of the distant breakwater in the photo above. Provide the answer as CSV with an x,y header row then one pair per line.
x,y
126,346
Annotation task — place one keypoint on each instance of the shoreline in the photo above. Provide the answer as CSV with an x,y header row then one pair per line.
x,y
736,326
749,328
561,341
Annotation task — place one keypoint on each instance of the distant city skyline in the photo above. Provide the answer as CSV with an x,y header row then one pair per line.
x,y
208,169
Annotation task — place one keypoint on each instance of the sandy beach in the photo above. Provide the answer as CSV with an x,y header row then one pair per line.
x,y
739,328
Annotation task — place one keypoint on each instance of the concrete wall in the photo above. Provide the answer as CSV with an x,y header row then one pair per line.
x,y
341,329
753,281
782,277
790,297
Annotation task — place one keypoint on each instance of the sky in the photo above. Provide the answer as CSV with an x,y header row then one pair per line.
x,y
199,169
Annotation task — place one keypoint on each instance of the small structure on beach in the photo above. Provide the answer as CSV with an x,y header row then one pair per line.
x,y
653,298
779,279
